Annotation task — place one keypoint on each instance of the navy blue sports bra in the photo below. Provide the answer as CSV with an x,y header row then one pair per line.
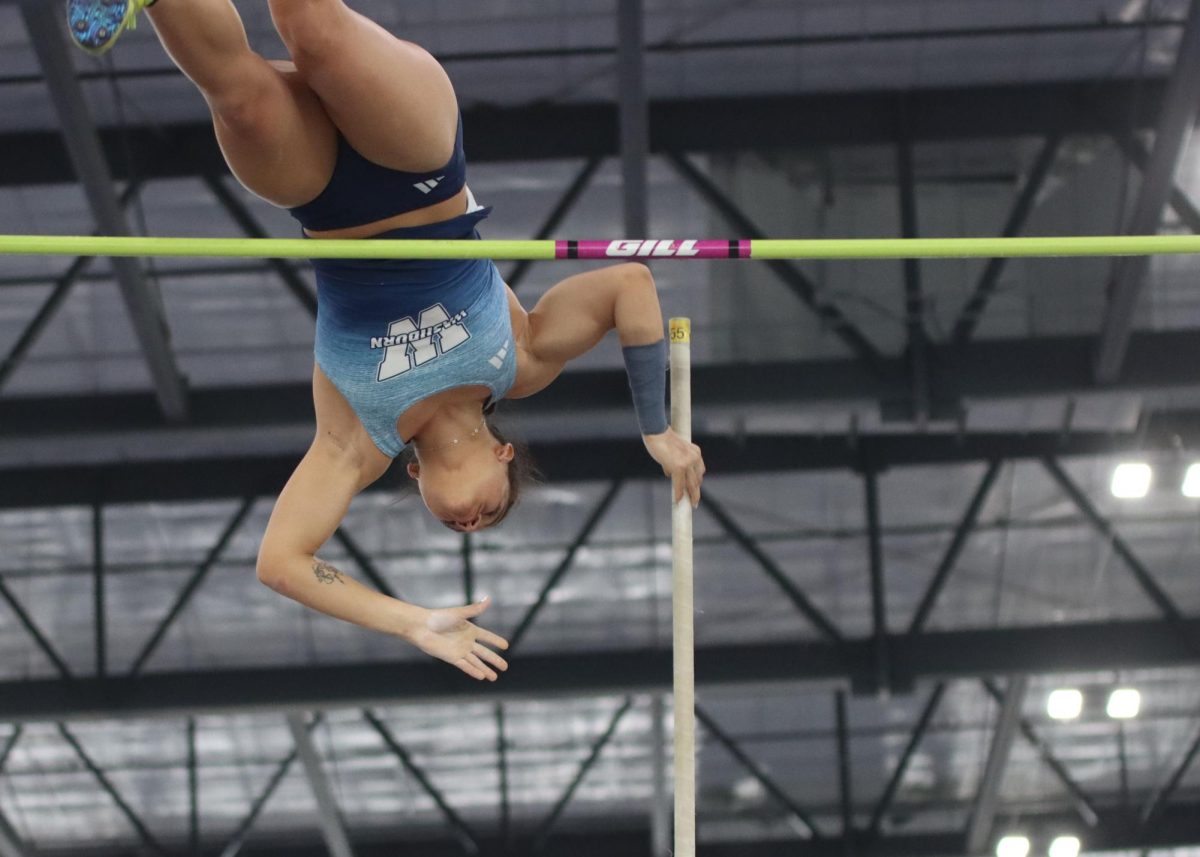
x,y
361,191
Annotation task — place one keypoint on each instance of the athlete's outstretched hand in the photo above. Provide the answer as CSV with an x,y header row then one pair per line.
x,y
449,635
680,460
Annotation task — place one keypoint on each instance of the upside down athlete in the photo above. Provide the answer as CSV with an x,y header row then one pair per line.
x,y
359,135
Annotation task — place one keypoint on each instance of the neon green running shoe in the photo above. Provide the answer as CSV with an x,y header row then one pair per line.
x,y
95,24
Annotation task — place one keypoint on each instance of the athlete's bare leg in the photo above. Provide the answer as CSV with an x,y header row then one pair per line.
x,y
390,98
274,133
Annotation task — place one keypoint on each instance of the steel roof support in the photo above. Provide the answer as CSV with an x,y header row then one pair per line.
x,y
143,832
364,562
786,272
42,641
332,828
502,764
1101,525
959,540
914,299
937,656
1175,123
141,298
883,672
987,798
972,311
1084,806
98,573
802,602
193,584
564,206
193,776
634,112
1185,209
1154,807
845,784
564,565
241,215
61,289
459,828
468,570
10,744
547,826
10,841
758,773
875,828
242,833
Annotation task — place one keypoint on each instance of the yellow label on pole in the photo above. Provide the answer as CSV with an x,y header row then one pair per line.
x,y
681,330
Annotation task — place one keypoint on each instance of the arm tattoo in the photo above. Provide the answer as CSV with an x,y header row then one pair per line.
x,y
326,573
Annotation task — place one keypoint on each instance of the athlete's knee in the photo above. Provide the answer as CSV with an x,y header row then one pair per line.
x,y
309,28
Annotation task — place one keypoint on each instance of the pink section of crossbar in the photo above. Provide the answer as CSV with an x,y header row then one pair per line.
x,y
652,249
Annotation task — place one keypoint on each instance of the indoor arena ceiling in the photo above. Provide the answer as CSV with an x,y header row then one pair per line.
x,y
999,476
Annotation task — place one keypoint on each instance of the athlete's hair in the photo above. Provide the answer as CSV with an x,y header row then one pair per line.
x,y
522,472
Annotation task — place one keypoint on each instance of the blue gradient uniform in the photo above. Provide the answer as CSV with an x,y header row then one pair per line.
x,y
391,333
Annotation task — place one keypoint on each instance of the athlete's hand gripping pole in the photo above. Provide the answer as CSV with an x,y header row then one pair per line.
x,y
682,600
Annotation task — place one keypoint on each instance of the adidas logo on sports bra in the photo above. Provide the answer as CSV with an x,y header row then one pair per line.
x,y
428,186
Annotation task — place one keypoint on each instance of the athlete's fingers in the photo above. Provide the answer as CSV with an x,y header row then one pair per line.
x,y
487,671
486,654
470,669
494,640
470,611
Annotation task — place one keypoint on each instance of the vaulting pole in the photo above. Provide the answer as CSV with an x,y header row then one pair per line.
x,y
682,603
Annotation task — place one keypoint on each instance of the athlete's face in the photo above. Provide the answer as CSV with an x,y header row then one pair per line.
x,y
469,497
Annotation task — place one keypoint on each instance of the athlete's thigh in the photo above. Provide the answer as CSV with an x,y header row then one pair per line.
x,y
278,141
390,98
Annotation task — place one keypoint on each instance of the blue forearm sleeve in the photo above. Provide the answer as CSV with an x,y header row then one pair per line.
x,y
646,366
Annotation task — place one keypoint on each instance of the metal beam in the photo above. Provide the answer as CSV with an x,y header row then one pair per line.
x,y
959,540
933,656
875,827
242,832
1178,117
40,640
987,799
505,827
585,130
142,300
100,630
845,785
248,223
1046,366
193,772
914,299
634,109
786,272
10,744
1137,154
462,833
61,289
879,626
11,844
1166,606
332,828
516,276
556,576
1083,806
972,311
364,562
1162,795
193,584
801,601
542,836
139,826
759,773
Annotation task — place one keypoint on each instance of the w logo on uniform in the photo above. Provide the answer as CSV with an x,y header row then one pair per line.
x,y
428,185
410,344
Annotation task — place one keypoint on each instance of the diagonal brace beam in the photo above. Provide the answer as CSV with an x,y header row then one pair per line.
x,y
462,832
987,799
142,300
791,276
1179,111
42,641
972,311
758,772
1161,796
332,828
364,562
10,842
768,565
558,214
914,741
565,564
193,584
